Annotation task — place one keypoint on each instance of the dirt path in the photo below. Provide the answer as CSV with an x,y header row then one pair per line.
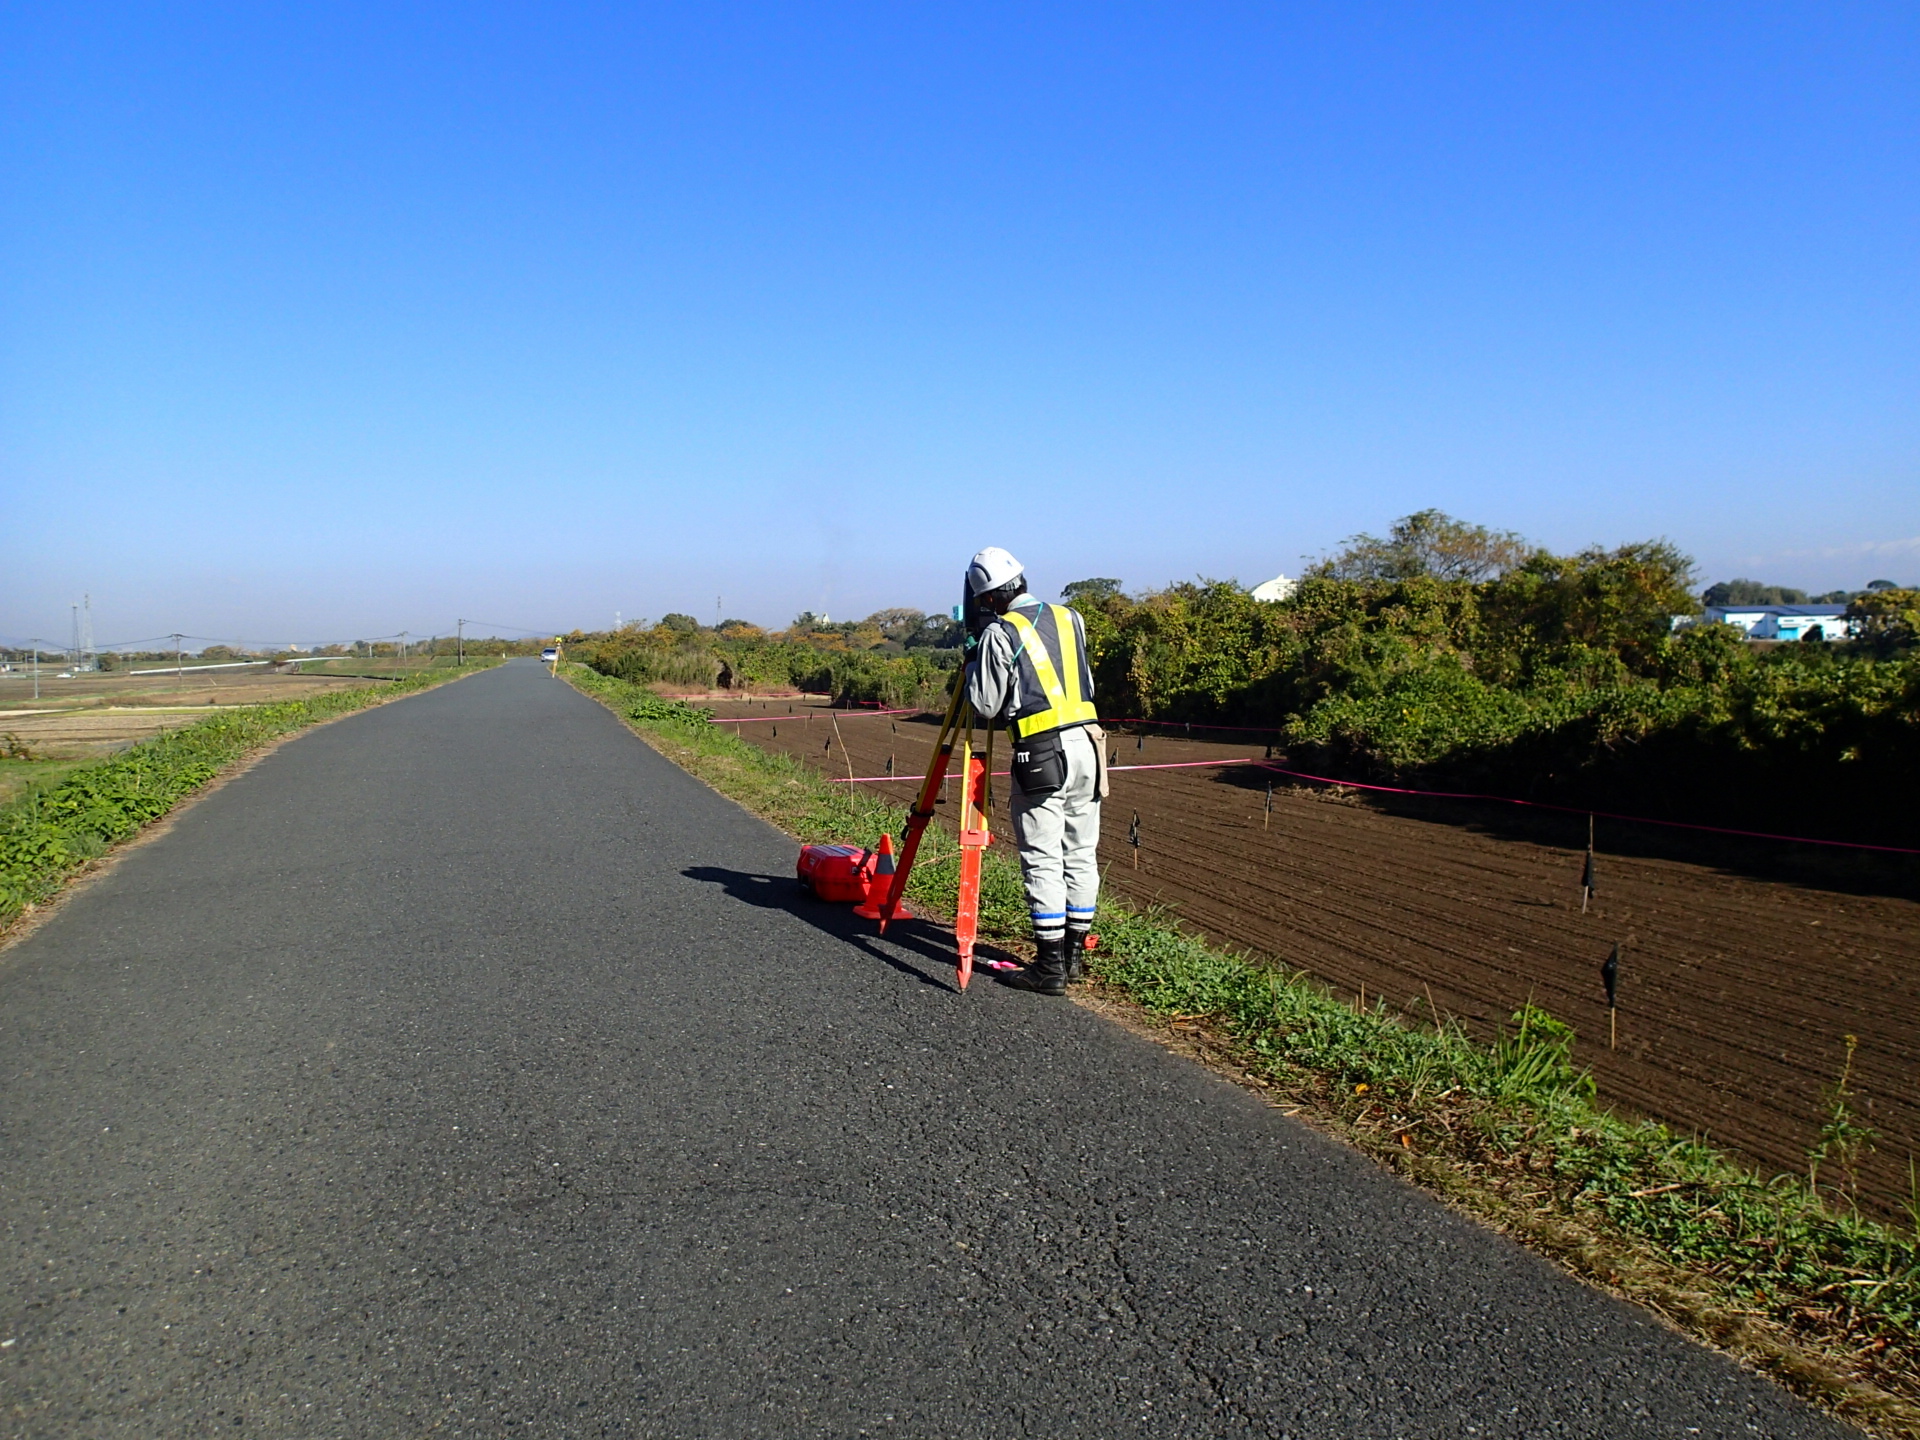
x,y
1736,996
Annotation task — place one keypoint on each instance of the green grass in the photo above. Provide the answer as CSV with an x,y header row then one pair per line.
x,y
18,776
389,667
1765,1267
58,824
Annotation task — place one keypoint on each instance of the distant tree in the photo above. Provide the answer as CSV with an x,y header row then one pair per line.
x,y
1752,592
1832,597
1622,600
1881,585
684,624
896,624
1092,591
806,620
935,632
1426,544
1886,620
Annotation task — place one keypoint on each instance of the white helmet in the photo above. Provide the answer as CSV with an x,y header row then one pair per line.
x,y
992,568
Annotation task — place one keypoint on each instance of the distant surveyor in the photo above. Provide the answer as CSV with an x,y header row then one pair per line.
x,y
1028,673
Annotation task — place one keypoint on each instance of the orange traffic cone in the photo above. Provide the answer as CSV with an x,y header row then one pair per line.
x,y
869,908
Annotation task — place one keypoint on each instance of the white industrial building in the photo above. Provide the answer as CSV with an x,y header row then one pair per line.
x,y
1778,622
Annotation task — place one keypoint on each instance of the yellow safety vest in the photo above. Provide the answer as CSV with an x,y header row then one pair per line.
x,y
1059,676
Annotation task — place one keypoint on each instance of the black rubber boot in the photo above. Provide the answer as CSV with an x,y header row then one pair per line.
x,y
1047,975
1076,951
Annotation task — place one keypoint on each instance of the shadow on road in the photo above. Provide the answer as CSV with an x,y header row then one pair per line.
x,y
782,892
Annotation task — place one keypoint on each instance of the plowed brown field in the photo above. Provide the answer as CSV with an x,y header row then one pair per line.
x,y
1736,996
97,713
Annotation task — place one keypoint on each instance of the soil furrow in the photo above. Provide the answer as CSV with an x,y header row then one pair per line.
x,y
1737,992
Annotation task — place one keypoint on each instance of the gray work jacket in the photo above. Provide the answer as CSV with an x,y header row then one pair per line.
x,y
998,686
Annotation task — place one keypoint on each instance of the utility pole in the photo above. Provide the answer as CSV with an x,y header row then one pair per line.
x,y
460,639
179,661
36,669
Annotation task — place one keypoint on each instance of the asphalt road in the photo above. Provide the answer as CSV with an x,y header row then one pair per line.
x,y
467,1069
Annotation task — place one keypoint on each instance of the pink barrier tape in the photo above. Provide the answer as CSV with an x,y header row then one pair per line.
x,y
1451,795
1188,725
1186,764
1177,765
1581,810
842,714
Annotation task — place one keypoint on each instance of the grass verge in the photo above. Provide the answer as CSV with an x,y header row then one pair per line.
x,y
1766,1269
18,775
56,827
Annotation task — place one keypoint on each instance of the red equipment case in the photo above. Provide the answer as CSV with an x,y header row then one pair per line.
x,y
837,872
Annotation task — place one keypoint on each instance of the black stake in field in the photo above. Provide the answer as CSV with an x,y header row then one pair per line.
x,y
1266,818
1610,977
845,754
1586,874
1133,838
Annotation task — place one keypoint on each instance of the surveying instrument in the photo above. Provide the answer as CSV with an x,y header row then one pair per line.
x,y
976,796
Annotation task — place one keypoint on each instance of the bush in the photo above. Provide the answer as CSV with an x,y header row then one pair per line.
x,y
743,662
1561,680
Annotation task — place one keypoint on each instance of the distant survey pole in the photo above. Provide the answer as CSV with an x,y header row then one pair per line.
x,y
460,640
179,657
36,669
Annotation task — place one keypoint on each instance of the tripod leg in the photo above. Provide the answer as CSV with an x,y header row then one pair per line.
x,y
922,813
973,843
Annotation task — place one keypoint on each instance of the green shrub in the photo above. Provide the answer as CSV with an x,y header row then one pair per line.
x,y
1562,680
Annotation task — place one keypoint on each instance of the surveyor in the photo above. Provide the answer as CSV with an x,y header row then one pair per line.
x,y
1027,671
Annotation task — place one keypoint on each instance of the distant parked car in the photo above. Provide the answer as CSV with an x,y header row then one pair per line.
x,y
550,654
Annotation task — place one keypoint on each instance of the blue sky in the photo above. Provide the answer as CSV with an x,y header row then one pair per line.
x,y
322,321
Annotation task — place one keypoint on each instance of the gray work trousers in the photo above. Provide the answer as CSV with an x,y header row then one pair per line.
x,y
1058,836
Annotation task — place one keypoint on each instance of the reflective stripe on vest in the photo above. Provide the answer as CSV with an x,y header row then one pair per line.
x,y
1065,704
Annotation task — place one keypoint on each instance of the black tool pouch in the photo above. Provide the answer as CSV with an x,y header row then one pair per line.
x,y
1039,765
